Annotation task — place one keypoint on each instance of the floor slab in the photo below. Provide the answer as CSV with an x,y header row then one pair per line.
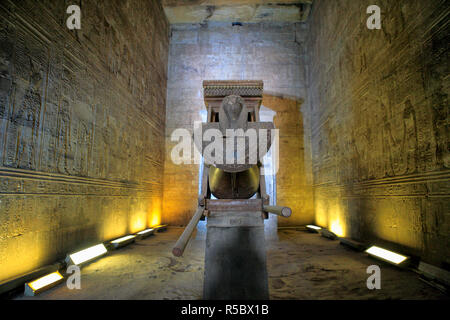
x,y
300,265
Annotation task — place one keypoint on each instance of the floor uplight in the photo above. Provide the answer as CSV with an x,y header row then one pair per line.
x,y
86,255
386,255
313,228
161,227
145,233
123,241
43,283
328,234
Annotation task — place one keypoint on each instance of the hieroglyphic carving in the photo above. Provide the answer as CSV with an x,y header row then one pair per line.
x,y
81,131
379,115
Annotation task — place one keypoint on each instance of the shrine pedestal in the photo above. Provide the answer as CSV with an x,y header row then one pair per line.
x,y
235,257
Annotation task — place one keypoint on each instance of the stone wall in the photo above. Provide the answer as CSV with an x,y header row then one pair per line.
x,y
273,53
82,117
379,115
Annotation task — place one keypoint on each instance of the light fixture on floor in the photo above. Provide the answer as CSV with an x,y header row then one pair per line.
x,y
312,228
161,227
386,255
434,273
86,255
121,242
328,234
145,233
43,283
355,245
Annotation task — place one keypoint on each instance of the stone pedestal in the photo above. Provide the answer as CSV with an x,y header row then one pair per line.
x,y
235,258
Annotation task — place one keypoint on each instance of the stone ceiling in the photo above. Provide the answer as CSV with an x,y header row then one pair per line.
x,y
201,11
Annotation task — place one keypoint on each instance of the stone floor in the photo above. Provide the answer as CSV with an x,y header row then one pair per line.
x,y
301,265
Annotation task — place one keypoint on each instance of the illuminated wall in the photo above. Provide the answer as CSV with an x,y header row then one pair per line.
x,y
379,115
82,118
273,53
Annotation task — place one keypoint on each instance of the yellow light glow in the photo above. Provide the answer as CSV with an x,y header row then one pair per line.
x,y
45,281
88,254
138,221
386,254
115,224
336,228
155,220
310,226
131,236
145,231
321,216
154,212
